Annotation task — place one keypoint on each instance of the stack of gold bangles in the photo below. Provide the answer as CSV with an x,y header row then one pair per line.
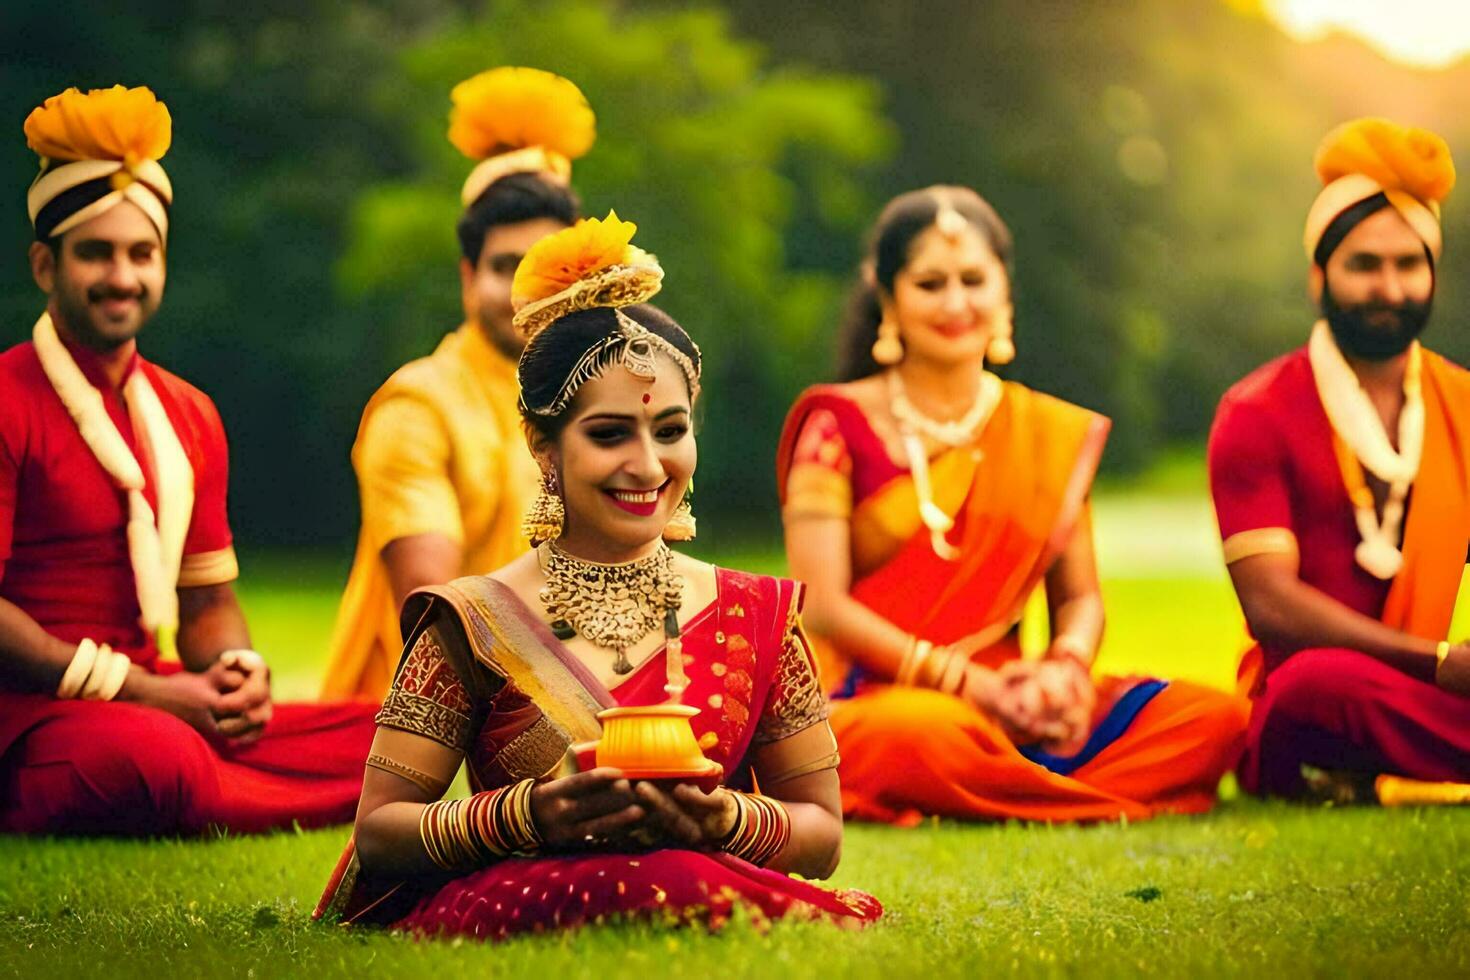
x,y
96,673
470,833
762,828
925,665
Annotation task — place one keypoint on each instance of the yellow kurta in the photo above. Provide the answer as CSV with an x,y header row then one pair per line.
x,y
439,451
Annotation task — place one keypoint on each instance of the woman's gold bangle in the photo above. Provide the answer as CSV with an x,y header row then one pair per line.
x,y
1441,653
911,666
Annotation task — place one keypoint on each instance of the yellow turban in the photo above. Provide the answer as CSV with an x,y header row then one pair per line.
x,y
1366,157
519,120
98,149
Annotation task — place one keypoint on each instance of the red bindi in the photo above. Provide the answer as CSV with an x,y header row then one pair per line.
x,y
647,398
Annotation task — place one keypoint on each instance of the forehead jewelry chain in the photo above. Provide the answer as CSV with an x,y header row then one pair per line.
x,y
613,606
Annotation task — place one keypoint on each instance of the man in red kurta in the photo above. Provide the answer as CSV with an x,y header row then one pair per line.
x,y
130,702
1341,479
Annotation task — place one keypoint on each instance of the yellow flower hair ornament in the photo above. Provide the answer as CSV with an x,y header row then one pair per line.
x,y
594,264
519,120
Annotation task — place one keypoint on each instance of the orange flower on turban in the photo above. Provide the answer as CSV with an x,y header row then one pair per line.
x,y
1412,160
117,123
509,108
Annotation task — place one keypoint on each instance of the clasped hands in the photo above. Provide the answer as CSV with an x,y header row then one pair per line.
x,y
231,697
1050,700
602,809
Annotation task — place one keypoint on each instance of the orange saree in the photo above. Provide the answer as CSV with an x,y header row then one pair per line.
x,y
1016,495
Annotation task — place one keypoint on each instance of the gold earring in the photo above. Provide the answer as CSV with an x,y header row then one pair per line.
x,y
887,349
1001,349
681,525
546,516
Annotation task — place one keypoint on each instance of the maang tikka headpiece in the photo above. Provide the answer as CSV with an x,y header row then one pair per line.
x,y
594,264
948,220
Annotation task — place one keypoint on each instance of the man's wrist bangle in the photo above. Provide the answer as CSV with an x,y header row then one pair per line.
x,y
96,673
82,662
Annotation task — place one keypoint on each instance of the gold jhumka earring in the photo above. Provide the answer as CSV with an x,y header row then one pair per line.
x,y
681,525
887,349
546,516
1002,349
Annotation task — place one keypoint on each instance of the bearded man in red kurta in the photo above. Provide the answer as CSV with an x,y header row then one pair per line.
x,y
1341,478
130,700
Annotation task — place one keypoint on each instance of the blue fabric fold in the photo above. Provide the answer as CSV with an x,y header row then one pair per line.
x,y
1108,731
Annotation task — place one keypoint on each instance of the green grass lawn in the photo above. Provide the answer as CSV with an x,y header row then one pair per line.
x,y
1253,889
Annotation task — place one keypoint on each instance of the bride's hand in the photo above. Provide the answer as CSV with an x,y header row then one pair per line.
x,y
685,816
585,809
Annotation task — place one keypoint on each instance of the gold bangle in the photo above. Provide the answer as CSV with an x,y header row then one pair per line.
x,y
953,677
418,777
923,649
906,663
1441,654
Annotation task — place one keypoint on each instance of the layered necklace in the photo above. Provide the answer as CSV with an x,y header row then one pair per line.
x,y
613,606
913,425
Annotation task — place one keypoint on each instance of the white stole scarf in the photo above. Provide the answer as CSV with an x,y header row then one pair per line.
x,y
1358,424
155,547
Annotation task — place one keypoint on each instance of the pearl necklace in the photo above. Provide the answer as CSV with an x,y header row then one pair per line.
x,y
954,432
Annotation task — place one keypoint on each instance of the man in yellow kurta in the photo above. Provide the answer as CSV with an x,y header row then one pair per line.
x,y
442,468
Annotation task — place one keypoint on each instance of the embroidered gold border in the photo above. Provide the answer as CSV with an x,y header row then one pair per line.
x,y
209,568
816,491
534,752
1259,541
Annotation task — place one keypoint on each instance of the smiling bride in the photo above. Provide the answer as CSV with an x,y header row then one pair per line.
x,y
504,673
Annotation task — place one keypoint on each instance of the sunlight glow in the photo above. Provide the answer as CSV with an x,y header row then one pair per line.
x,y
1422,33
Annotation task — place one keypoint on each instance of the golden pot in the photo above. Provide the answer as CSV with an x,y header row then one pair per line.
x,y
652,741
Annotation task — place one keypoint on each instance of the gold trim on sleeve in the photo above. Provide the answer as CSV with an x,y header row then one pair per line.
x,y
208,568
814,490
534,752
1259,541
799,702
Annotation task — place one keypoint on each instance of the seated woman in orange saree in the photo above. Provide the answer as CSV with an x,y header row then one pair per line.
x,y
508,674
921,541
